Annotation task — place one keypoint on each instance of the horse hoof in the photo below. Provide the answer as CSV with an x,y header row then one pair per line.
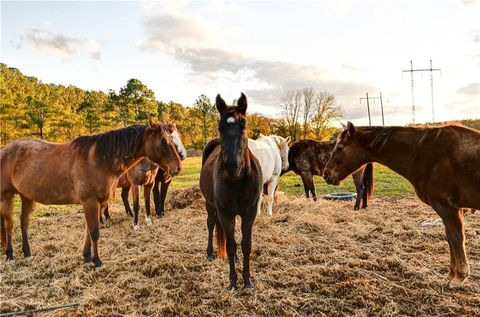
x,y
248,286
158,216
10,261
455,283
232,288
97,262
149,221
210,258
135,227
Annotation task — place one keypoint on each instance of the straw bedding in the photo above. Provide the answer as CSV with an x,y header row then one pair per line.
x,y
311,258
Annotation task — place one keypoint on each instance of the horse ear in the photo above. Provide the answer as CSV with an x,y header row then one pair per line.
x,y
344,126
151,123
242,104
350,129
220,104
288,139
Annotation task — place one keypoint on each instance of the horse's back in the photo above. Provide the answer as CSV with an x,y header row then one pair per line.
x,y
450,158
308,156
37,169
268,156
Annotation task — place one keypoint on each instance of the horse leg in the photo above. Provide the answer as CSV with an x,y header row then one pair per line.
x,y
6,214
227,223
147,189
311,185
91,209
270,192
27,208
305,184
87,246
357,181
259,205
125,191
455,231
247,224
163,194
211,220
136,205
106,214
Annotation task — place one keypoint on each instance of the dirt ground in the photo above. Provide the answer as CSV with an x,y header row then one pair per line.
x,y
309,259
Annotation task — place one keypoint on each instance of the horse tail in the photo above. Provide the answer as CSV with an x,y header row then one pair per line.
x,y
221,240
367,179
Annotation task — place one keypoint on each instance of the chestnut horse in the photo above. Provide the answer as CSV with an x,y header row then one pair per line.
x,y
147,174
141,174
81,171
309,157
231,182
442,164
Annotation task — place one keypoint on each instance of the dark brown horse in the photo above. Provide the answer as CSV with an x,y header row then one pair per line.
x,y
309,157
82,171
231,182
442,164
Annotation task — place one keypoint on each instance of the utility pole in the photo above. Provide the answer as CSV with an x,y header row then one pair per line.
x,y
367,98
411,71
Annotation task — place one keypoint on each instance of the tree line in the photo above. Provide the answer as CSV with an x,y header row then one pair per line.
x,y
58,113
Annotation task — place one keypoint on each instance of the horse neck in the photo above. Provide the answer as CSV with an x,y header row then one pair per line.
x,y
394,147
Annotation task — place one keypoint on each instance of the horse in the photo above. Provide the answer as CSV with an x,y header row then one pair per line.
x,y
442,164
82,171
272,154
309,157
147,174
231,182
141,174
163,179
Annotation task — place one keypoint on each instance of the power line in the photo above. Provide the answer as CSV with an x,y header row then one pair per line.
x,y
411,71
367,98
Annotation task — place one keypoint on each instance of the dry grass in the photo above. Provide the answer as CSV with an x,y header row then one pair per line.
x,y
308,259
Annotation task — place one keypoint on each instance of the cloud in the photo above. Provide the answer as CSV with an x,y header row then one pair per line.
x,y
172,32
59,44
192,41
470,89
221,6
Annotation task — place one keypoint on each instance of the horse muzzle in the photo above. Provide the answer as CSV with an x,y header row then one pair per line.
x,y
330,178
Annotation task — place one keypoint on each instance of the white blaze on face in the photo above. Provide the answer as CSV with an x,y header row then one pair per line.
x,y
179,145
230,120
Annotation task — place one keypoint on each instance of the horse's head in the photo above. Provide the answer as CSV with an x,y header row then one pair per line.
x,y
233,134
160,148
347,156
282,144
172,128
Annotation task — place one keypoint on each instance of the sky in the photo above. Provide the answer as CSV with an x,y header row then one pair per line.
x,y
182,49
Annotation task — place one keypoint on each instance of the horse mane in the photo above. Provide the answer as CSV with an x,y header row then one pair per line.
x,y
115,144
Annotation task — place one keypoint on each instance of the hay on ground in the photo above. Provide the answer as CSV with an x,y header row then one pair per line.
x,y
309,259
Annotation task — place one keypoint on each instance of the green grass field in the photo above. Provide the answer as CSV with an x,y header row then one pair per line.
x,y
387,183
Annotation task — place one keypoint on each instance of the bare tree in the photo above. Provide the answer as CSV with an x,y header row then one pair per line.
x,y
291,104
308,108
326,110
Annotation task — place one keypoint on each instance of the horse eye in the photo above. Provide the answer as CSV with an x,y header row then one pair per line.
x,y
339,148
